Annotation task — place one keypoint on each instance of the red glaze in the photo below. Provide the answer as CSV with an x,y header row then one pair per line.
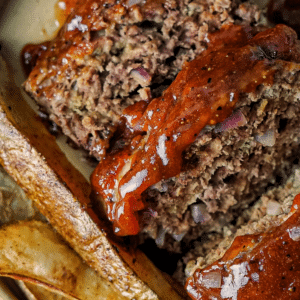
x,y
204,92
264,266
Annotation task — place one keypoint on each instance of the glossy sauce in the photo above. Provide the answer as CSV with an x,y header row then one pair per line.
x,y
63,8
155,134
264,266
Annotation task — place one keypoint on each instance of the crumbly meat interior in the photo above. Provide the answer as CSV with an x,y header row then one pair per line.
x,y
85,95
270,210
227,172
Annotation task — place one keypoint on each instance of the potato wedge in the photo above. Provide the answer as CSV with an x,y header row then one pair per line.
x,y
35,292
30,155
33,252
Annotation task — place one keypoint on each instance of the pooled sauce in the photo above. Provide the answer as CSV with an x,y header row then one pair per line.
x,y
264,266
154,134
286,12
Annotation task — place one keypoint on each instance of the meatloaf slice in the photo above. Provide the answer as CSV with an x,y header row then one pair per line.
x,y
270,210
230,166
227,172
262,265
111,54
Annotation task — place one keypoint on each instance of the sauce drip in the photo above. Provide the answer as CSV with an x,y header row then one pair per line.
x,y
153,135
264,266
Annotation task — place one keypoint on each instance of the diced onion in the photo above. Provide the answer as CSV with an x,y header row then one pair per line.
x,y
141,76
199,213
267,139
273,208
294,233
178,237
236,119
133,2
160,239
212,279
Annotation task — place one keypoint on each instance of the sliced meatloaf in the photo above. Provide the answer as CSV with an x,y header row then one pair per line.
x,y
228,171
259,265
271,208
229,166
111,54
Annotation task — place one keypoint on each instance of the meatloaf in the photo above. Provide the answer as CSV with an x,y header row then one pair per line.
x,y
111,54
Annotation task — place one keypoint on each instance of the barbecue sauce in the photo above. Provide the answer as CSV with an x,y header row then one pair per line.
x,y
263,266
153,135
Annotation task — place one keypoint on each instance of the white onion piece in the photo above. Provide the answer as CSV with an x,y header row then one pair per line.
x,y
267,139
141,76
160,239
294,233
236,119
255,277
212,279
178,237
133,2
273,208
199,213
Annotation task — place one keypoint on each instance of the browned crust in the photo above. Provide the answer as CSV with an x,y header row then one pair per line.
x,y
30,155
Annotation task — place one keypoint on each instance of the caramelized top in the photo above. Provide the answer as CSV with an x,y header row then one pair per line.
x,y
153,135
264,266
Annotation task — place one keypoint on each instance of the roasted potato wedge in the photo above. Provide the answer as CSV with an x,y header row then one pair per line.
x,y
33,252
35,292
